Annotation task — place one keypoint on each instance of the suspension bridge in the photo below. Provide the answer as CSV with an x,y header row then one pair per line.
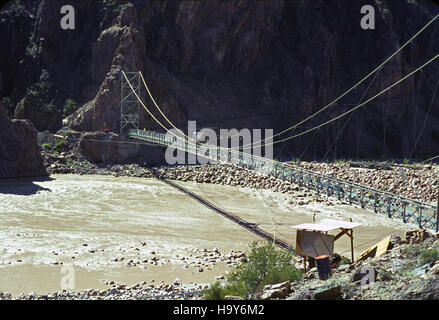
x,y
424,215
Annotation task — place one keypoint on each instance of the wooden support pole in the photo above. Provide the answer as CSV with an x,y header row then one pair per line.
x,y
375,204
352,242
389,214
352,245
404,208
350,194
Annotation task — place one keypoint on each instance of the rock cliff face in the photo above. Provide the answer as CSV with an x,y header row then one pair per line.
x,y
19,151
226,64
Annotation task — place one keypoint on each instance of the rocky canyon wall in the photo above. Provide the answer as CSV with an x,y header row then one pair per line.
x,y
230,64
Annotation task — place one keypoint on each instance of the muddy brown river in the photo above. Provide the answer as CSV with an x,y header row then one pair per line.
x,y
90,222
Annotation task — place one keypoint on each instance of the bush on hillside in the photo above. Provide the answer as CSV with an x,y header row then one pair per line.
x,y
428,256
266,265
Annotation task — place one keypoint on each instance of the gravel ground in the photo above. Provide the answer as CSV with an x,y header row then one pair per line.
x,y
201,259
400,276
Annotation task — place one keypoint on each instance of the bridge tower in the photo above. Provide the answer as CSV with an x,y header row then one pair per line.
x,y
129,104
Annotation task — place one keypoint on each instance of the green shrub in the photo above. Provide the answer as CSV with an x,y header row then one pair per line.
x,y
281,274
413,250
385,275
428,256
59,144
218,291
46,146
266,265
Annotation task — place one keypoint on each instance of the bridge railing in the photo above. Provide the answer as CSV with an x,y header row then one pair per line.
x,y
408,210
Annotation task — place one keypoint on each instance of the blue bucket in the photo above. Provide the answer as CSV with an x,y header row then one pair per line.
x,y
323,267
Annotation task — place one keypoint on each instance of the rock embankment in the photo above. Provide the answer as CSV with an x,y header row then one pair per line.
x,y
418,182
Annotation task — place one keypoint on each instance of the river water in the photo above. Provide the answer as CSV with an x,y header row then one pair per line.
x,y
88,221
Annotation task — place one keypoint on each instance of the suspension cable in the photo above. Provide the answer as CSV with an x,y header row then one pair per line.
x,y
355,86
355,108
309,130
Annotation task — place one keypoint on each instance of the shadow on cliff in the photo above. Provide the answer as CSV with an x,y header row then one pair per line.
x,y
23,186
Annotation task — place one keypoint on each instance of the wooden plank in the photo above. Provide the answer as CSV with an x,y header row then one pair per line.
x,y
315,227
376,250
340,224
368,253
382,246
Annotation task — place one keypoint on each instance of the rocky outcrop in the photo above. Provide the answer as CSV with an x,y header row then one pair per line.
x,y
276,291
119,47
422,289
330,292
19,151
15,28
39,105
111,148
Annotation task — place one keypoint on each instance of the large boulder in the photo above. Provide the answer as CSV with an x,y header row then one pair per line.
x,y
19,152
331,292
276,291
